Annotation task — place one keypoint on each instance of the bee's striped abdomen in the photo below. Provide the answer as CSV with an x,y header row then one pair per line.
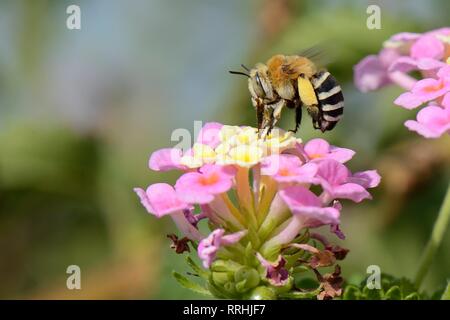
x,y
331,100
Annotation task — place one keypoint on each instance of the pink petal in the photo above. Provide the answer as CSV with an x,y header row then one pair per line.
x,y
427,46
341,155
351,191
190,190
276,273
200,187
209,134
165,159
388,56
446,101
367,179
308,207
298,197
274,164
223,171
316,147
307,171
298,151
303,175
221,175
233,238
335,228
185,226
160,199
314,217
433,116
444,72
208,247
430,64
405,36
432,122
408,101
422,129
333,172
319,149
430,89
370,74
403,64
144,199
445,31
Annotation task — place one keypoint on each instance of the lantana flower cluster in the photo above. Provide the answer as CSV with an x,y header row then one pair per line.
x,y
250,207
429,55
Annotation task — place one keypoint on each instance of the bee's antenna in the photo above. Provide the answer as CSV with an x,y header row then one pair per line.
x,y
240,73
246,69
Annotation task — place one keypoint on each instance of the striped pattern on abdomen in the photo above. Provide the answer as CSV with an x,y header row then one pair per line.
x,y
330,98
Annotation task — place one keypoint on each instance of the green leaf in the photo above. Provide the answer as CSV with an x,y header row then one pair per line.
x,y
406,286
194,245
446,294
351,292
394,293
201,272
189,284
300,269
306,283
216,292
372,294
297,295
412,296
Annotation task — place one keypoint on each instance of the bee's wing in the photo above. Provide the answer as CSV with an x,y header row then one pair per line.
x,y
318,54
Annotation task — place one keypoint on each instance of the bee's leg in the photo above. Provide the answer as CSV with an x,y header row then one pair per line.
x,y
269,120
298,119
298,116
314,112
259,107
277,108
260,116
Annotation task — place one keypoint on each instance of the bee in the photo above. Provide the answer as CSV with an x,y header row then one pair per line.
x,y
292,82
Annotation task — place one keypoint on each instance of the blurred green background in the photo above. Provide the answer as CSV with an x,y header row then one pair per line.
x,y
81,111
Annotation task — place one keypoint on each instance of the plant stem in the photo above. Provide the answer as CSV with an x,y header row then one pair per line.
x,y
437,234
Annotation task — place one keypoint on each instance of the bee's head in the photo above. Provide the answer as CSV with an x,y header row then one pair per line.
x,y
259,82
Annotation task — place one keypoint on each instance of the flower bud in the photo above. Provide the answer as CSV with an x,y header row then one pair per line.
x,y
220,278
225,266
285,288
262,293
246,278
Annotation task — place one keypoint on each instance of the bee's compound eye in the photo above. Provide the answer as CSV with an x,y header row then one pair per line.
x,y
260,87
